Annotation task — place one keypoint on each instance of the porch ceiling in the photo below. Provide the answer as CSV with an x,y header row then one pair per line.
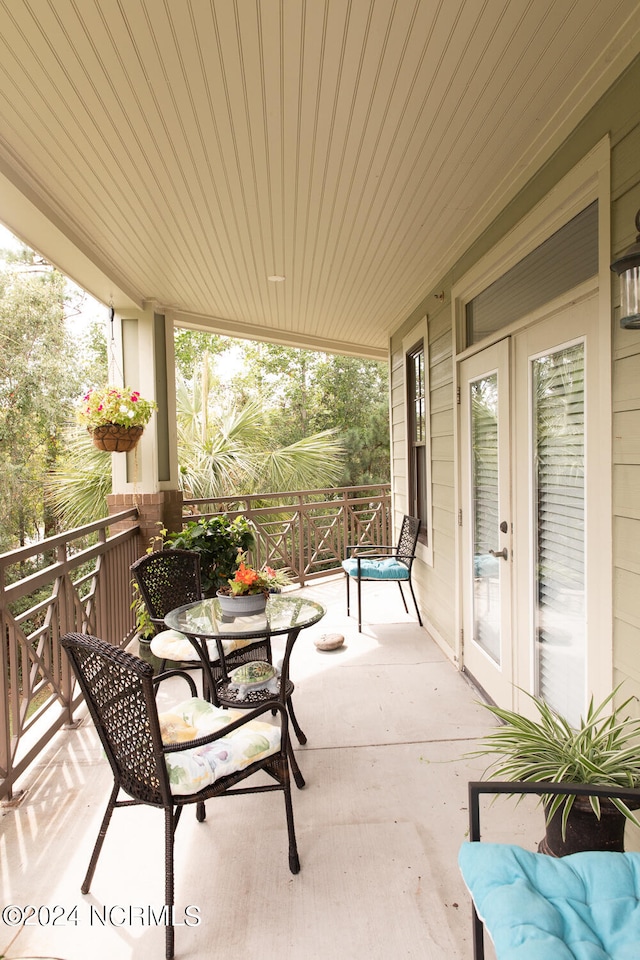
x,y
184,151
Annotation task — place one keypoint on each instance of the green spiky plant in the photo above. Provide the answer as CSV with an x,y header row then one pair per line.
x,y
604,749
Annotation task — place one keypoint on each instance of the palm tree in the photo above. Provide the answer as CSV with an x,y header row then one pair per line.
x,y
221,452
80,480
229,450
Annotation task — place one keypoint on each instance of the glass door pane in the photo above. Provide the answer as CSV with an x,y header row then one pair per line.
x,y
559,529
485,501
485,520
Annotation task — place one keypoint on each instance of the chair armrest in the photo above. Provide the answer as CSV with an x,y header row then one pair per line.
x,y
158,624
176,673
523,787
363,549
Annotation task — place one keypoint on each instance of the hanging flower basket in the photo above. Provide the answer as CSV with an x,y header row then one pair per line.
x,y
115,417
115,438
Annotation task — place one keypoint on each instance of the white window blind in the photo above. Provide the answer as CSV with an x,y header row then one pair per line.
x,y
558,430
567,258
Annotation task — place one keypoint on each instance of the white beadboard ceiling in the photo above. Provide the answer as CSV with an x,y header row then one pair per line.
x,y
183,151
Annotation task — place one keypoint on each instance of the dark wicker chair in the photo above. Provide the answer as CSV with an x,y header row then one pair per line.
x,y
168,579
119,692
382,562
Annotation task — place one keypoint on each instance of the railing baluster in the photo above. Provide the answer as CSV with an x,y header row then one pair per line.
x,y
314,525
87,588
37,693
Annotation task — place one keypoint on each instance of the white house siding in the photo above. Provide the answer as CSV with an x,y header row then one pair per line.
x,y
617,115
625,201
435,584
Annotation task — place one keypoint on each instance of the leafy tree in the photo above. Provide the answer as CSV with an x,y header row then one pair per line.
x,y
303,392
353,394
224,449
38,382
191,345
253,418
78,483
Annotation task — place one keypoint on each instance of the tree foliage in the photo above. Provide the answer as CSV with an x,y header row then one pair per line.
x,y
303,392
39,378
253,418
226,449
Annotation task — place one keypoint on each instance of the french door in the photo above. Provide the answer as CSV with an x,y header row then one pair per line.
x,y
534,571
486,519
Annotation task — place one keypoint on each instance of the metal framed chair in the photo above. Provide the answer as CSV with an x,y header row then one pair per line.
x,y
168,579
382,562
193,752
539,905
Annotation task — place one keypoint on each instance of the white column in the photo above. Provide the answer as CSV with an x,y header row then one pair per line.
x,y
141,356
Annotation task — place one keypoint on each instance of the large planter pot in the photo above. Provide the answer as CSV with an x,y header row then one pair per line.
x,y
584,830
115,438
246,606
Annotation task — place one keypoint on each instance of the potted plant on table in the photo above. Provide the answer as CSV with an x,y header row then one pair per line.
x,y
219,541
603,749
247,591
115,417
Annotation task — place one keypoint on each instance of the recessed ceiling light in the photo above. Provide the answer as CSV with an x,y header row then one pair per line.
x,y
276,278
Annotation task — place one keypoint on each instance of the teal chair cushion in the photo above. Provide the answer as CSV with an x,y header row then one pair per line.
x,y
371,569
585,906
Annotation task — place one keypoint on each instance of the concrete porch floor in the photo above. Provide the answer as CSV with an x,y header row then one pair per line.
x,y
379,824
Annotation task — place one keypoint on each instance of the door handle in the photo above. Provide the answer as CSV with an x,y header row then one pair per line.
x,y
504,553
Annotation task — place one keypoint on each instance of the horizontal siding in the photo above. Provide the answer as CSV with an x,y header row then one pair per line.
x,y
434,584
625,180
626,485
617,114
627,663
626,383
626,437
626,533
624,170
626,587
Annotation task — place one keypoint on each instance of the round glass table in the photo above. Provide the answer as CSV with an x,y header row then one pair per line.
x,y
204,620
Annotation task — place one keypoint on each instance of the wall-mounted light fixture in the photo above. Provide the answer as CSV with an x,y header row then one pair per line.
x,y
627,266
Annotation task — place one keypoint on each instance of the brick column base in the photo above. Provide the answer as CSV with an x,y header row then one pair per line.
x,y
155,511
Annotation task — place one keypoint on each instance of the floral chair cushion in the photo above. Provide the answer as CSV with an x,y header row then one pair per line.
x,y
172,645
193,770
585,906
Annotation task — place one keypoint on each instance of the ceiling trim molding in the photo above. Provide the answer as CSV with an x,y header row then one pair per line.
x,y
249,331
30,219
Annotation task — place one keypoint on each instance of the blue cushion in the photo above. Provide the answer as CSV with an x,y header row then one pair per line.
x,y
535,907
371,569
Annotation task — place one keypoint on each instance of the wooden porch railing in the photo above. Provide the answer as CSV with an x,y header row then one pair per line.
x,y
306,531
80,581
77,581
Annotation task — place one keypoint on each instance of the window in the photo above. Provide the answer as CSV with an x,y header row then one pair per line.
x,y
567,258
418,433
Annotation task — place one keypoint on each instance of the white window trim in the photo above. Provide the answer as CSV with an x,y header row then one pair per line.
x,y
589,180
420,332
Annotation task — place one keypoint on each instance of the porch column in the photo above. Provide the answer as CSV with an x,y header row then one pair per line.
x,y
140,349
